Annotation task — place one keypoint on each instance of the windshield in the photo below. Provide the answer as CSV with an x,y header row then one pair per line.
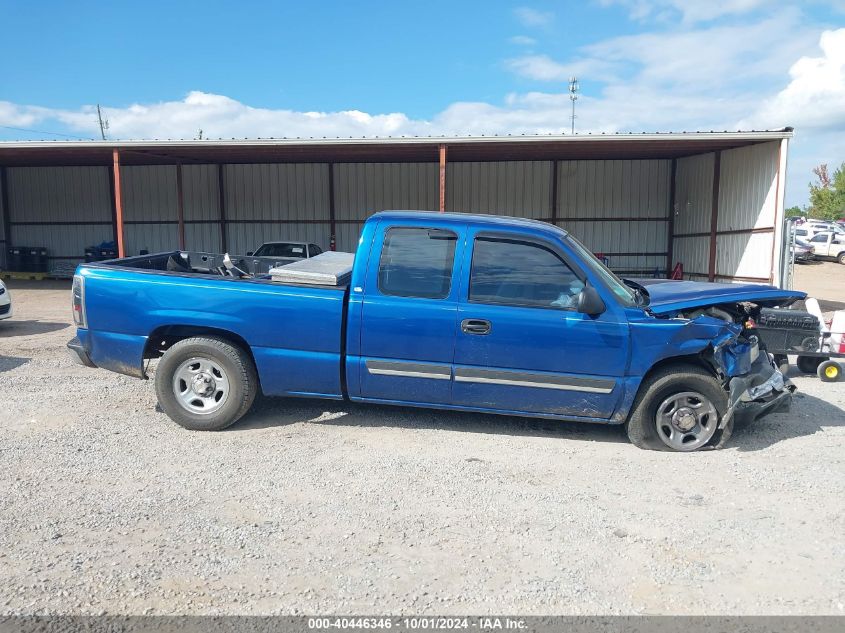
x,y
625,294
281,250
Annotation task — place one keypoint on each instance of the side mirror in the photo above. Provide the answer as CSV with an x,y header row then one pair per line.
x,y
589,302
250,253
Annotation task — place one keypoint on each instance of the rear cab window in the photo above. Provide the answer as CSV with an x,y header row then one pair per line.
x,y
417,262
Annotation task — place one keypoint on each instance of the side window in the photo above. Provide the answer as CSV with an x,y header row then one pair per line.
x,y
417,263
821,237
518,273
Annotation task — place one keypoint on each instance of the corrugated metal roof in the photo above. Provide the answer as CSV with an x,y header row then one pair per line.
x,y
785,132
382,149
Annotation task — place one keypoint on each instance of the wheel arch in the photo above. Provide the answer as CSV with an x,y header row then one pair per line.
x,y
680,361
164,337
697,360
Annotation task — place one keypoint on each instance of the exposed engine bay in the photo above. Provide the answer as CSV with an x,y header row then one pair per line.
x,y
749,372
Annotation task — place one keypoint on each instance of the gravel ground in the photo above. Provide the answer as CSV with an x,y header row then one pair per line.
x,y
106,506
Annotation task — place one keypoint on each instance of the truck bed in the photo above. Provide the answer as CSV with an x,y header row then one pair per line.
x,y
195,263
136,306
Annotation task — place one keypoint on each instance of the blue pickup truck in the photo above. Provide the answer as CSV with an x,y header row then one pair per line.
x,y
448,311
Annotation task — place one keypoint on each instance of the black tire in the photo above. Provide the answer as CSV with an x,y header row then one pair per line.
x,y
782,363
239,371
841,258
829,371
809,364
663,383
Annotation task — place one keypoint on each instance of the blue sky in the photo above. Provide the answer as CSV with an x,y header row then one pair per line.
x,y
168,69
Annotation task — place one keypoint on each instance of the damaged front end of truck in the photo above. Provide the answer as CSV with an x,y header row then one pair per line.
x,y
715,323
755,385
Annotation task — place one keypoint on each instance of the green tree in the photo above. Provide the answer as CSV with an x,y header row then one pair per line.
x,y
794,212
827,195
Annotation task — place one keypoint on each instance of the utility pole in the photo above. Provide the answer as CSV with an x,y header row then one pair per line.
x,y
104,123
573,97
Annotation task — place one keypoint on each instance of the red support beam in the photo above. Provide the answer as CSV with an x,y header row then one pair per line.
x,y
332,214
714,215
4,205
118,203
670,232
180,207
221,198
442,178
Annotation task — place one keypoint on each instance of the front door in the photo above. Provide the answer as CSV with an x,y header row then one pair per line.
x,y
521,345
408,315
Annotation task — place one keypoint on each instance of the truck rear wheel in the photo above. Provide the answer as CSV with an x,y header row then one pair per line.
x,y
205,384
679,408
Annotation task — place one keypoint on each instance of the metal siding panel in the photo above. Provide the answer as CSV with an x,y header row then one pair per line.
x,y
200,192
747,187
362,189
694,194
744,255
202,237
149,192
348,236
59,194
518,188
613,188
155,238
290,191
693,253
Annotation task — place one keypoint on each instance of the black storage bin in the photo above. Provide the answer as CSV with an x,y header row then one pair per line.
x,y
38,260
14,259
107,253
91,254
788,330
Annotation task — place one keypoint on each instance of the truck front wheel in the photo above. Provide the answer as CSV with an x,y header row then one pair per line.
x,y
205,384
679,408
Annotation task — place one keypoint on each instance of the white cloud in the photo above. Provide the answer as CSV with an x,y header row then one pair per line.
x,y
533,17
690,12
217,116
706,59
815,96
522,40
544,68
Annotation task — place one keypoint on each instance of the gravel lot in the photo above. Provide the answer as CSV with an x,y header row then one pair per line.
x,y
315,507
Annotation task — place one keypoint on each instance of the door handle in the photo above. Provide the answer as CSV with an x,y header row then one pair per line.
x,y
476,326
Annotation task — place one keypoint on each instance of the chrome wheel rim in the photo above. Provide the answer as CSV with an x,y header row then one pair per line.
x,y
201,385
686,421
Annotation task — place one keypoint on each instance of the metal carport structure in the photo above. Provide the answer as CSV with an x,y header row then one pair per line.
x,y
710,200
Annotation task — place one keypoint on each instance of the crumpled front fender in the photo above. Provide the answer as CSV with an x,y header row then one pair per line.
x,y
759,392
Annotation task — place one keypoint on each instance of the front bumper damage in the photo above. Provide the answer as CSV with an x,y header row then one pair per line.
x,y
759,392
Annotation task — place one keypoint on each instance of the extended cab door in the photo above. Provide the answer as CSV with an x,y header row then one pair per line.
x,y
521,346
409,310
